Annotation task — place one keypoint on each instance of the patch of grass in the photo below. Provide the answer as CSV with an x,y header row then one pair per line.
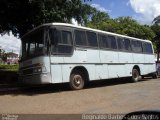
x,y
9,67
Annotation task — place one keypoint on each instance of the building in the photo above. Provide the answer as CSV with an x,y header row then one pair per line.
x,y
12,58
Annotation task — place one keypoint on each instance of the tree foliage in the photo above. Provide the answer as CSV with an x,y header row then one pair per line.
x,y
20,16
156,20
3,55
156,28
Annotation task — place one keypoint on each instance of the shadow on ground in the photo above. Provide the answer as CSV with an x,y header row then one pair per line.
x,y
57,88
8,77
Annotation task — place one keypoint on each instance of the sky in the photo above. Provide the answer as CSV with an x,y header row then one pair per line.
x,y
144,11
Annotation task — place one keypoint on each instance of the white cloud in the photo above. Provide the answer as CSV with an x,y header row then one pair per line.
x,y
10,43
100,8
147,9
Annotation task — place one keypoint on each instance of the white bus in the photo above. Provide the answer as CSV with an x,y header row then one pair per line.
x,y
60,53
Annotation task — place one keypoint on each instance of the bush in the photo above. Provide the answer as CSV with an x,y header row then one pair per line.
x,y
9,67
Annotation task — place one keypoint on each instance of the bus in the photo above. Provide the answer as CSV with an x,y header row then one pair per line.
x,y
65,53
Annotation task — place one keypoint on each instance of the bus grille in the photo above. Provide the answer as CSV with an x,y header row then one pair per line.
x,y
28,71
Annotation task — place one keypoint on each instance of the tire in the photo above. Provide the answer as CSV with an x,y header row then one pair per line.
x,y
135,75
77,80
155,75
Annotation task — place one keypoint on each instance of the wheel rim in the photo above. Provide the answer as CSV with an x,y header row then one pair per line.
x,y
77,80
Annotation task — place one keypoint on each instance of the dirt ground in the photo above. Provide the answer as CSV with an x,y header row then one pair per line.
x,y
109,96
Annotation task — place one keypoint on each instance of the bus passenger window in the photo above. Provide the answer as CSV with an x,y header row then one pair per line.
x,y
127,44
64,43
113,43
136,46
80,38
66,38
103,41
120,42
147,48
92,39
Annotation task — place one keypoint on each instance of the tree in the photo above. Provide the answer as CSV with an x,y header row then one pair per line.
x,y
86,13
156,20
3,55
97,18
131,27
20,16
156,28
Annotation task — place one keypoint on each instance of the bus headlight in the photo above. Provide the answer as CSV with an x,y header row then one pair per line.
x,y
35,70
39,70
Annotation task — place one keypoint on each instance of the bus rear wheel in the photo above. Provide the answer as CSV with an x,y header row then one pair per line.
x,y
135,75
77,80
155,75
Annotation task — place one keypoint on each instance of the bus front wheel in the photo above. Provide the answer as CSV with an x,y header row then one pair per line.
x,y
135,75
77,80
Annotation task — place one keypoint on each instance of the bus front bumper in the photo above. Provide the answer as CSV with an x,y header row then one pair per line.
x,y
42,78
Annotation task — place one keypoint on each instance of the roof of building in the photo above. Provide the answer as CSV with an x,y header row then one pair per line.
x,y
12,54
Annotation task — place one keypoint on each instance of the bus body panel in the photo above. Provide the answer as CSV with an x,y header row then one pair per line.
x,y
150,68
107,56
79,56
128,69
27,67
125,57
149,58
102,71
116,71
83,55
56,72
138,58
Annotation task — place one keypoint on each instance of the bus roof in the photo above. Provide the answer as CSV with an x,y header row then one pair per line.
x,y
85,28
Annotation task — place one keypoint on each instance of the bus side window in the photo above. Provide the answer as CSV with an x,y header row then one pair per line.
x,y
92,39
113,43
127,45
120,42
136,46
64,43
55,38
103,41
80,38
147,48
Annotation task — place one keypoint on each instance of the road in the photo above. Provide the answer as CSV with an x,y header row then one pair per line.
x,y
109,96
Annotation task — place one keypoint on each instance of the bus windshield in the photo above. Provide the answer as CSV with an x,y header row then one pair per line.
x,y
33,44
